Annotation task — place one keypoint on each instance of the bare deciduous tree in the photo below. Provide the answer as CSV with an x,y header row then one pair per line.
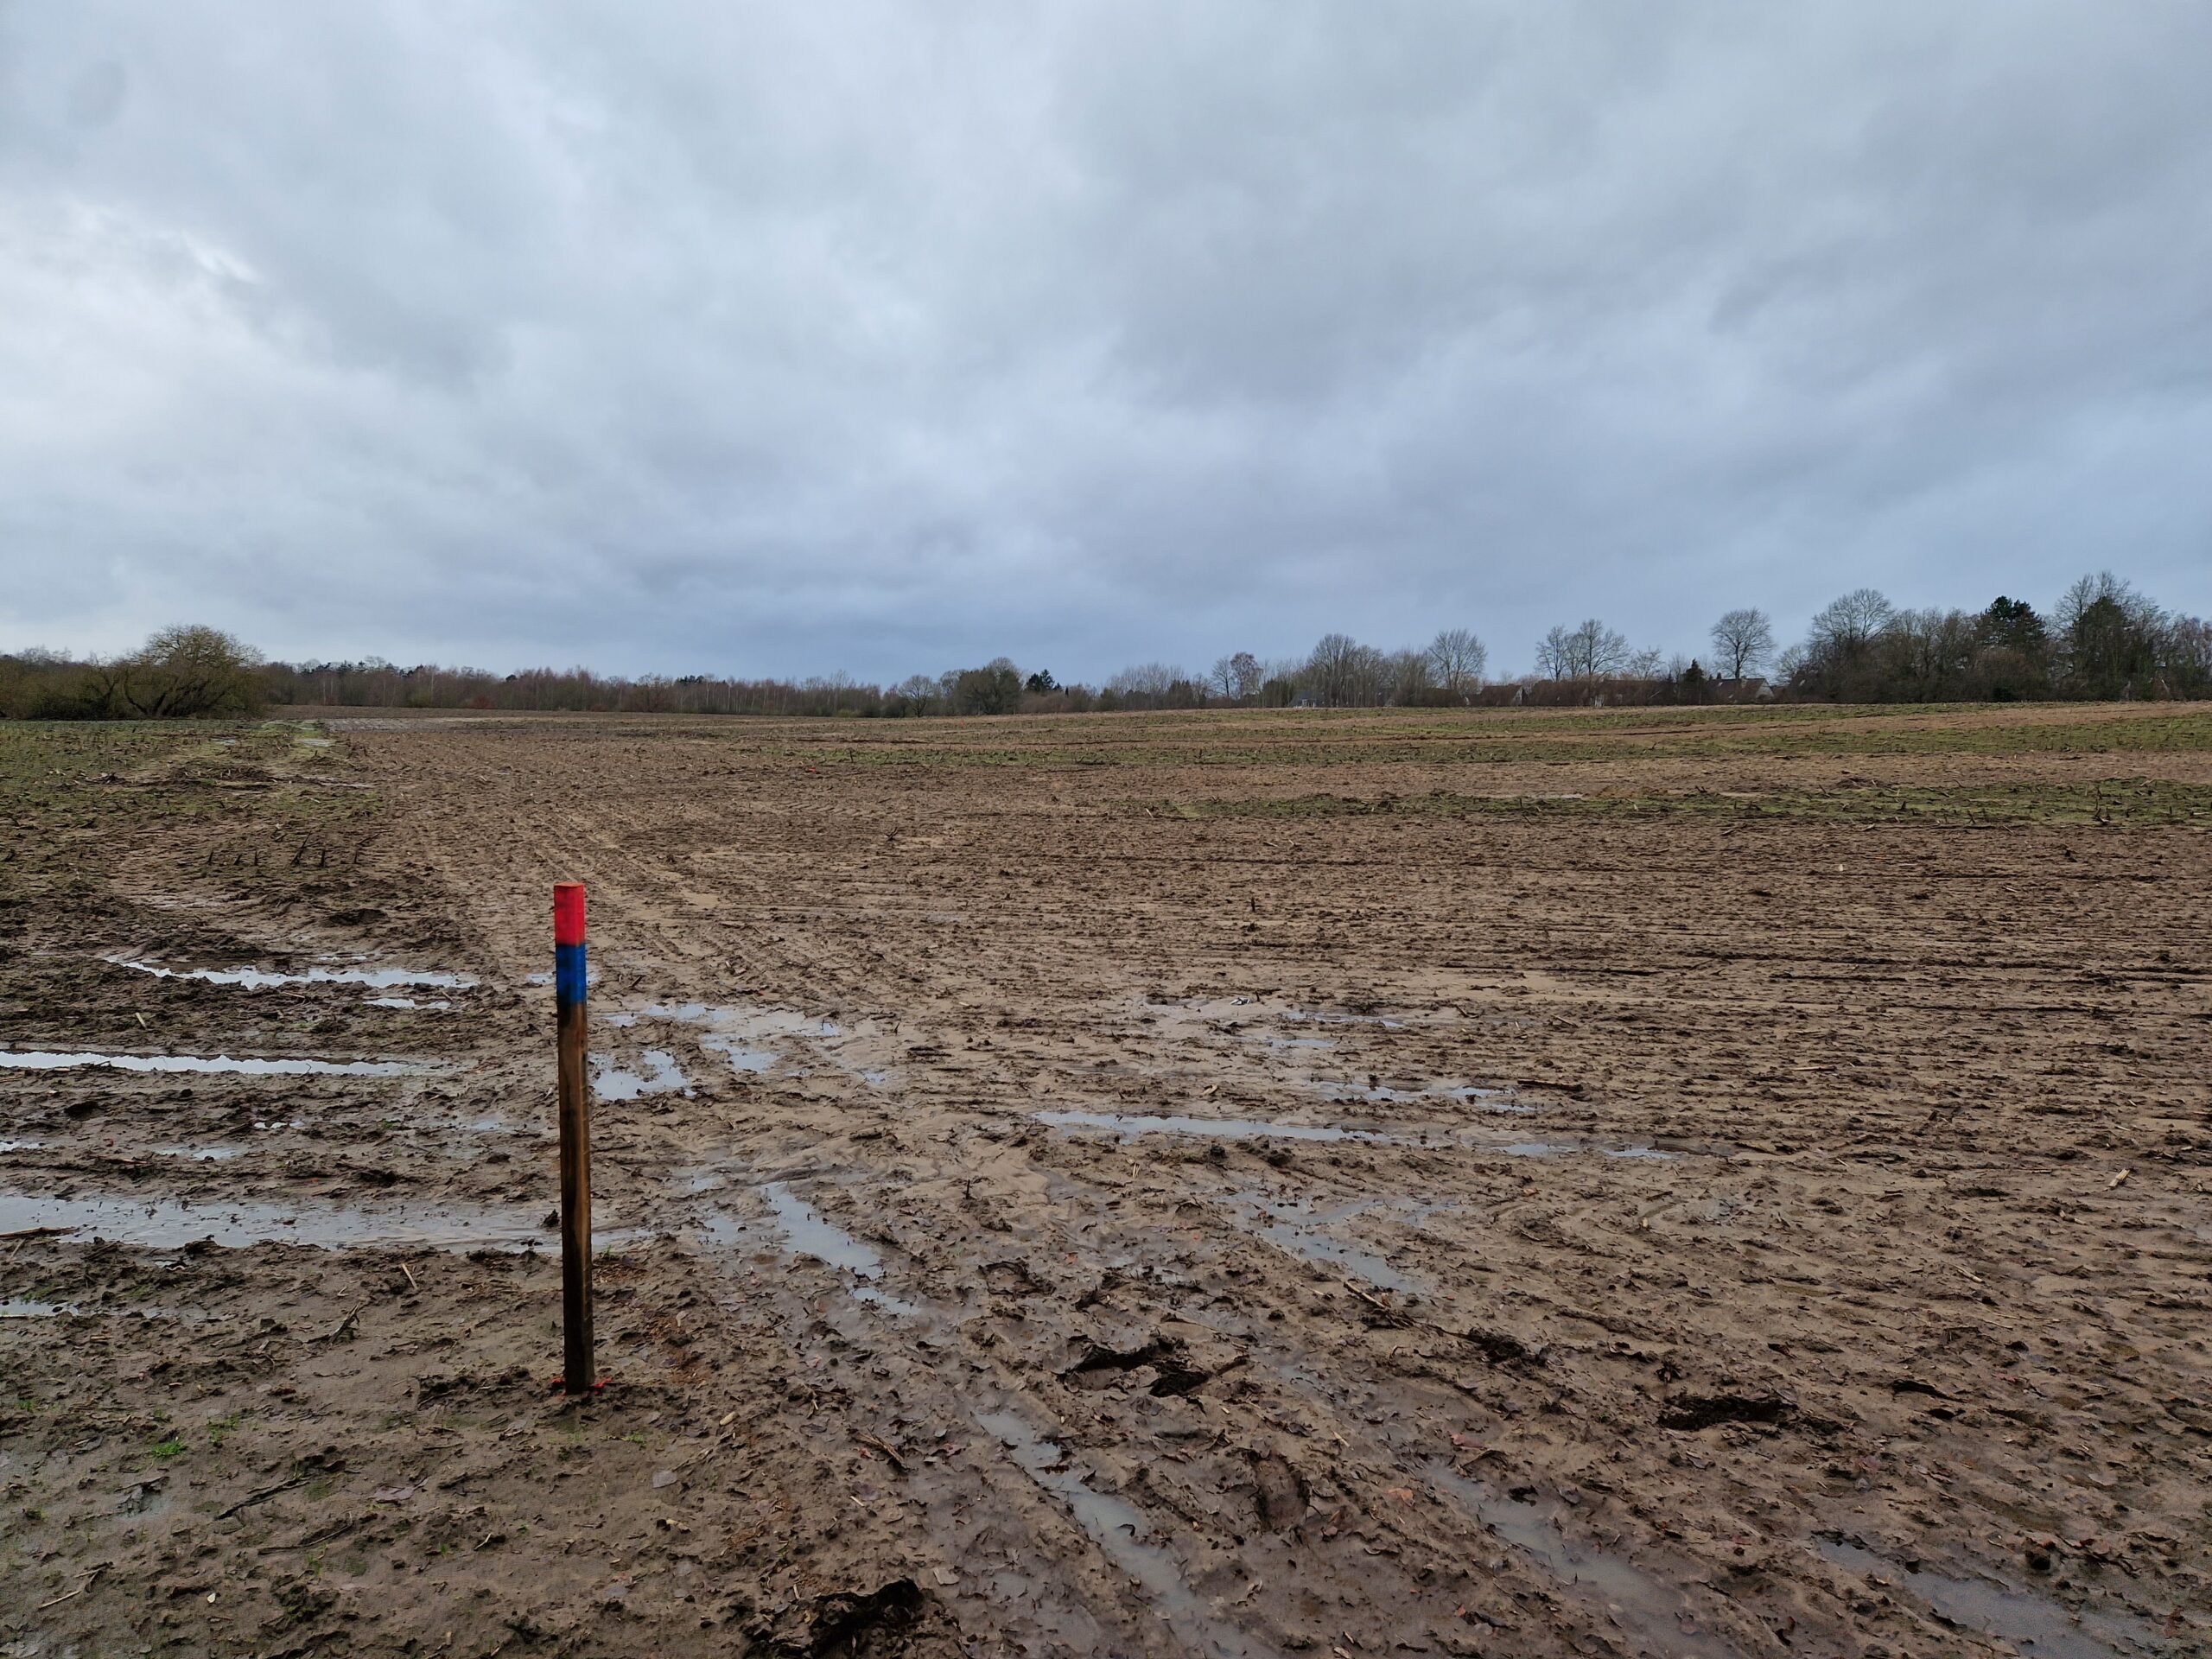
x,y
1335,670
184,671
1406,677
1847,626
1153,680
1249,676
1554,655
1603,651
1585,652
2076,601
1457,659
2108,636
1929,654
993,689
1742,642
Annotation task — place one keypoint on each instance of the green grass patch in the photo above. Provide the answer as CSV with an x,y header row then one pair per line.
x,y
2132,802
1311,738
73,793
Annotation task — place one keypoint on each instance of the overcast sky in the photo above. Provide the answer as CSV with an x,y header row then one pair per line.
x,y
789,338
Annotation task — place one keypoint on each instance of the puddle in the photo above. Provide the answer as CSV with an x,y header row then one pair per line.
x,y
2036,1624
659,1075
169,1223
404,1002
315,742
1490,1100
21,1145
738,1032
1121,1533
46,1060
741,1057
809,1232
18,1308
1655,1613
804,1231
254,979
752,1038
889,1304
739,1019
1298,1228
1130,1126
1328,1017
201,1154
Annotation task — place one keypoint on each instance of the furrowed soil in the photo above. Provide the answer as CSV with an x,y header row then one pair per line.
x,y
1668,1183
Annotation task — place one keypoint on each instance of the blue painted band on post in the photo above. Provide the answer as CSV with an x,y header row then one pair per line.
x,y
569,974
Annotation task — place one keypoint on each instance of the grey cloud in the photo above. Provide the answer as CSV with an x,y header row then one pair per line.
x,y
771,339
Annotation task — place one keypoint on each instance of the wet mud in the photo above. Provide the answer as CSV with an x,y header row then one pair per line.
x,y
1032,1223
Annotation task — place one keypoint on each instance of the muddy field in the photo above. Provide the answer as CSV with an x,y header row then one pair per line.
x,y
1723,1182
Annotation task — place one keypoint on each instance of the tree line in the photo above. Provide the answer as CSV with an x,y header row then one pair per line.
x,y
181,673
2102,639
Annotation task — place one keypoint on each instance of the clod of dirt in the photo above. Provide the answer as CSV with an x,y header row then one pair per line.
x,y
1696,1411
898,1620
1174,1377
372,1174
1012,1278
1378,1313
135,1499
1914,1385
1499,1346
1173,1372
1280,1495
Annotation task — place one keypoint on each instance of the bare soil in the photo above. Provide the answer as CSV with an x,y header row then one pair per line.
x,y
1723,1182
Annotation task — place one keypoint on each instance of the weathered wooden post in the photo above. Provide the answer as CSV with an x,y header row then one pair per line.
x,y
569,976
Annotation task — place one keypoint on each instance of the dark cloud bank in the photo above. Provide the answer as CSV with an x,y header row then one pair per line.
x,y
776,338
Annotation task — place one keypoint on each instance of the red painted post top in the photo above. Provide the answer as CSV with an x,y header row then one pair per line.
x,y
568,913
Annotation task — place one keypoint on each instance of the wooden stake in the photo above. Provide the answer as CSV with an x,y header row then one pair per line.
x,y
577,1371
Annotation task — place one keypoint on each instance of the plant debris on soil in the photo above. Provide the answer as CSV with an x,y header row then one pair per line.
x,y
932,1319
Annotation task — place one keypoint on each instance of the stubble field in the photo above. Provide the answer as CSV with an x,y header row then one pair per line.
x,y
1671,1183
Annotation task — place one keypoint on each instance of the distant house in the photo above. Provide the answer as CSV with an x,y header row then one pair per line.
x,y
1750,689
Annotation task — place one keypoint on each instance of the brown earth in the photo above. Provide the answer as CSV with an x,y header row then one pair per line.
x,y
1775,1217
